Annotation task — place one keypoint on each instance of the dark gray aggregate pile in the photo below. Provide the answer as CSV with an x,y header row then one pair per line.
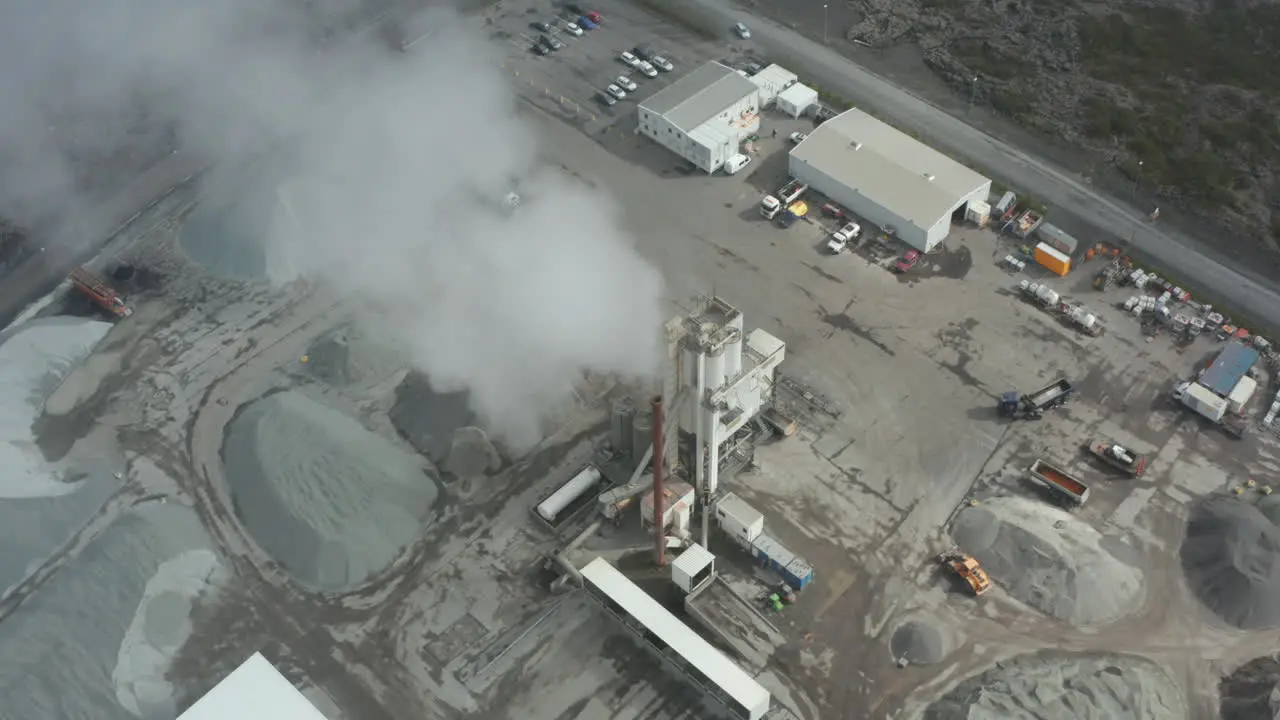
x,y
918,643
1064,686
1252,692
1231,557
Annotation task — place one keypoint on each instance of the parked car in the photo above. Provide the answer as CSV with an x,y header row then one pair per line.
x,y
907,261
742,31
644,52
616,91
585,23
594,17
540,49
606,99
540,26
798,137
753,68
833,210
629,59
648,69
551,42
849,232
626,83
573,29
663,64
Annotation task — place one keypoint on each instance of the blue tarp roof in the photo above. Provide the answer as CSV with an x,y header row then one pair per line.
x,y
1227,369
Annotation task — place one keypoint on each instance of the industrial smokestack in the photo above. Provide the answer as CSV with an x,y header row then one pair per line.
x,y
659,496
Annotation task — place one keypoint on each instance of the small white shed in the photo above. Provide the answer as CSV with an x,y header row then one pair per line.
x,y
797,100
693,568
771,81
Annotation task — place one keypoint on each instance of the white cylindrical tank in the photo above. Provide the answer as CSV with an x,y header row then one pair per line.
x,y
1023,285
1131,303
1050,297
713,369
577,486
733,350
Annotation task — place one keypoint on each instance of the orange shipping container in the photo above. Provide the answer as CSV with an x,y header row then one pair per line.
x,y
1052,258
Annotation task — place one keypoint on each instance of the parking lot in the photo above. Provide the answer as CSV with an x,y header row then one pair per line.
x,y
568,81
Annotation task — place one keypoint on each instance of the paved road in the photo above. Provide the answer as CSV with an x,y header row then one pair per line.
x,y
1067,193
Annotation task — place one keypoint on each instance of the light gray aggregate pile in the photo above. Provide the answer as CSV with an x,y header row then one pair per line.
x,y
352,355
331,501
918,643
1231,557
1064,686
63,652
1050,560
471,454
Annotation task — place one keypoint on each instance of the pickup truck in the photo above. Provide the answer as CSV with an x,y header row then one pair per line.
x,y
841,238
792,191
1059,482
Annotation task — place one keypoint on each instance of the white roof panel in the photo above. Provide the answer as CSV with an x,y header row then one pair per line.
x,y
722,671
694,559
888,167
253,691
700,95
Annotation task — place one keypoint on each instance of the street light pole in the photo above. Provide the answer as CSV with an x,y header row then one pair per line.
x,y
973,91
1137,176
824,24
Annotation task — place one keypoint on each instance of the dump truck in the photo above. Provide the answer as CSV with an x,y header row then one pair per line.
x,y
794,211
968,569
791,192
1119,457
102,294
1032,405
1059,482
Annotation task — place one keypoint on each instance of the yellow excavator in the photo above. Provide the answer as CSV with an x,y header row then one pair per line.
x,y
969,570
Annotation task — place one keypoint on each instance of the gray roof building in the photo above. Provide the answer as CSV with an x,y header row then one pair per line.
x,y
699,96
889,169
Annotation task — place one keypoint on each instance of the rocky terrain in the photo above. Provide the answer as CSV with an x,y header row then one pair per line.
x,y
1173,102
1179,97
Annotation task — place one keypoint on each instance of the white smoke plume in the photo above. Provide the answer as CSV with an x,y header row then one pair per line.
x,y
392,169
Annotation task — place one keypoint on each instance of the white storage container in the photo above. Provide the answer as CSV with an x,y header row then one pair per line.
x,y
739,520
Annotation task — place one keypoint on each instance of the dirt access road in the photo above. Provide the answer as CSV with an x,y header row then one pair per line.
x,y
1078,206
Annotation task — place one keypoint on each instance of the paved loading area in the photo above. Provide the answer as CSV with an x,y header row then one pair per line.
x,y
882,476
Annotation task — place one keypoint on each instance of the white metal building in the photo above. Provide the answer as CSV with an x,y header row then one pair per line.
x,y
704,116
797,100
715,673
253,691
887,177
771,81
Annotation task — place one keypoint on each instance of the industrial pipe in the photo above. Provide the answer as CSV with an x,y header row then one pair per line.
x,y
659,504
700,443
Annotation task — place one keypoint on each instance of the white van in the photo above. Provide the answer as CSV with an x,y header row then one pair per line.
x,y
736,163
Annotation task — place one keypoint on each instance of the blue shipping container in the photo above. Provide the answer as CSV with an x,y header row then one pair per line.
x,y
771,554
798,574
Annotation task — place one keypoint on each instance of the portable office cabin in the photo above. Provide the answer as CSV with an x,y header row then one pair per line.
x,y
772,81
693,568
797,100
1055,237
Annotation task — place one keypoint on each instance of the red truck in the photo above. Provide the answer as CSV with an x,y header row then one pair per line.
x,y
102,294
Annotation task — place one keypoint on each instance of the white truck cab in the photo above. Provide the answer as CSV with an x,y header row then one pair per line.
x,y
769,206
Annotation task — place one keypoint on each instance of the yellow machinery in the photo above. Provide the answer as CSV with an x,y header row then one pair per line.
x,y
967,567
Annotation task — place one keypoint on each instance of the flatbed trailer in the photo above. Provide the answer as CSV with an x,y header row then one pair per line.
x,y
102,294
1119,457
735,621
1059,482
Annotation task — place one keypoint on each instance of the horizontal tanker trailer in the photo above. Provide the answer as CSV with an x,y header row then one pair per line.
x,y
1059,482
569,497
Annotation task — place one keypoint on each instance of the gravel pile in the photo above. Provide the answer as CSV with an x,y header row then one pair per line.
x,y
351,355
334,503
471,454
918,643
1231,557
1253,691
428,419
1050,560
1063,686
34,358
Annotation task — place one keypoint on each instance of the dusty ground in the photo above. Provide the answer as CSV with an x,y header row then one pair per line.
x,y
1185,89
462,624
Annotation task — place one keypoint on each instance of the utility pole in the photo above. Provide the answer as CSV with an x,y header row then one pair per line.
x,y
973,92
824,24
1137,177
